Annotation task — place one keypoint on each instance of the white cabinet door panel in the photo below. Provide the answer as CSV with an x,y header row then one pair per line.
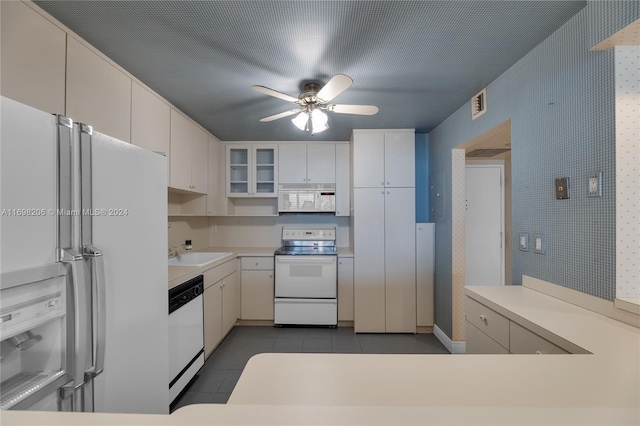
x,y
368,157
399,159
369,276
292,163
321,163
343,180
400,264
33,58
98,93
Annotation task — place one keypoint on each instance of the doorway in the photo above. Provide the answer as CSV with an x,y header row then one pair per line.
x,y
482,148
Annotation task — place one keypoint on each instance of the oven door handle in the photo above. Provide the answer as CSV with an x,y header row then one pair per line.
x,y
307,260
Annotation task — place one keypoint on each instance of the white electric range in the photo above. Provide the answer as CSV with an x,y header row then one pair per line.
x,y
306,277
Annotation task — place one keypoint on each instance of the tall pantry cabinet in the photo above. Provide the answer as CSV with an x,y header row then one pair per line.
x,y
384,230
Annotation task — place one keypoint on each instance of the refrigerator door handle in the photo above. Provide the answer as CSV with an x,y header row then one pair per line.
x,y
99,291
74,262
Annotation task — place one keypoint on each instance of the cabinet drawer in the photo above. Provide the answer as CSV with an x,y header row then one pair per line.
x,y
213,275
488,321
255,262
523,341
479,343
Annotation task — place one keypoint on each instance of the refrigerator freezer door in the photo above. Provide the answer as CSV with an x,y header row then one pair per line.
x,y
28,187
130,229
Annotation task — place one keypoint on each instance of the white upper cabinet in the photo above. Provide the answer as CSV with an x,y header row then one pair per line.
x,y
292,163
98,94
189,155
307,163
384,158
251,170
368,153
150,122
33,58
343,180
215,194
399,159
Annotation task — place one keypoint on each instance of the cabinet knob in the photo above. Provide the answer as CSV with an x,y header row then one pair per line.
x,y
382,192
270,275
388,193
388,183
483,318
382,183
538,353
257,263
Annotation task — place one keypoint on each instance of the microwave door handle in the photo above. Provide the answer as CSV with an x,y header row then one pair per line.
x,y
99,290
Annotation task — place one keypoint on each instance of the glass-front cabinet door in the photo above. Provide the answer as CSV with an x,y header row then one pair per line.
x,y
238,171
252,171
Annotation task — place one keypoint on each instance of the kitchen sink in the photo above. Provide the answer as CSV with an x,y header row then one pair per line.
x,y
196,258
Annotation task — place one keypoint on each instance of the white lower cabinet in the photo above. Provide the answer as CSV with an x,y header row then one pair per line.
x,y
257,288
479,343
523,341
220,303
488,332
345,289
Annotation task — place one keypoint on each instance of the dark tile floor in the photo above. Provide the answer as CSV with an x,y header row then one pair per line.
x,y
221,371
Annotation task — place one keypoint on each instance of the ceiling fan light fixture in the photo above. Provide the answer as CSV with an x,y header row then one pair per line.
x,y
319,121
301,121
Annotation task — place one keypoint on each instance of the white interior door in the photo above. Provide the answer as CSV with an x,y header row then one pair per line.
x,y
484,223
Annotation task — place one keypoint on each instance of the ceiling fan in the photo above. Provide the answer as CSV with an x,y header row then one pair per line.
x,y
313,100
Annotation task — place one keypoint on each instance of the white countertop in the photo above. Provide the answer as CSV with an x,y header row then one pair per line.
x,y
608,377
602,387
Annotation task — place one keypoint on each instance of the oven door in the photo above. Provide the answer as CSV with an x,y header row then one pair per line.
x,y
306,276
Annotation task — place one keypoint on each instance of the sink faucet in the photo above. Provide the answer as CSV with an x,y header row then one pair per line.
x,y
173,250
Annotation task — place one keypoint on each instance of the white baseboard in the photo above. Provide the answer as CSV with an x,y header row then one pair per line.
x,y
452,347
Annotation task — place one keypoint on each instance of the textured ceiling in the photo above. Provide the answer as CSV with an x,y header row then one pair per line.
x,y
418,61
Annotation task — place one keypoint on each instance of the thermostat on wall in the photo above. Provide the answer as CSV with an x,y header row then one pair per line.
x,y
562,188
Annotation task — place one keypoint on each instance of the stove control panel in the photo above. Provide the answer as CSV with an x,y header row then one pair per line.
x,y
309,234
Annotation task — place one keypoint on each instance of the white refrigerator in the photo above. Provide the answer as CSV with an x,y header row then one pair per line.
x,y
83,286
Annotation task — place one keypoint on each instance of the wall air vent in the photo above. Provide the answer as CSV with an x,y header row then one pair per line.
x,y
479,104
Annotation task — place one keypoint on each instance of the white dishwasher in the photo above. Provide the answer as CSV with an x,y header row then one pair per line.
x,y
186,334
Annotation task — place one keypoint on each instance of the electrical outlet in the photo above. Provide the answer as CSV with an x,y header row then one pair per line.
x,y
595,185
214,228
540,244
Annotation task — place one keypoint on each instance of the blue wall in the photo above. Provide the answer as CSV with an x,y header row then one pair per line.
x,y
560,99
422,177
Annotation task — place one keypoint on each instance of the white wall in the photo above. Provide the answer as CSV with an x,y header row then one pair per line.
x,y
267,231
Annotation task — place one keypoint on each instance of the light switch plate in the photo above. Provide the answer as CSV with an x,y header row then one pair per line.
x,y
539,244
524,242
562,188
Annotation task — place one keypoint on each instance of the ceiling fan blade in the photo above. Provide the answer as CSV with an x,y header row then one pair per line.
x,y
281,115
275,94
353,109
338,84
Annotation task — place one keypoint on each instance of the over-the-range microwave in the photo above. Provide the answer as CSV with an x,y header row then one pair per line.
x,y
307,198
